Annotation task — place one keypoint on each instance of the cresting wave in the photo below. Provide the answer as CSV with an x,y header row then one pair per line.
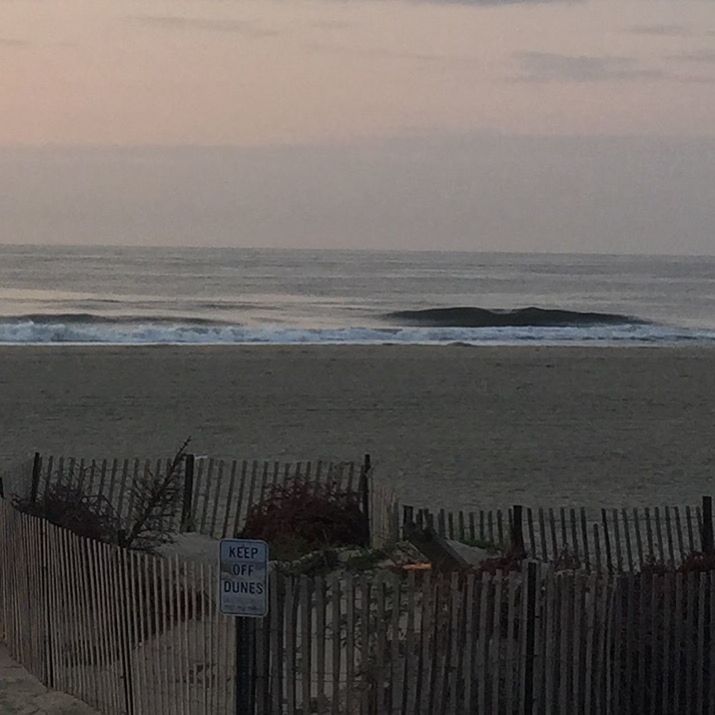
x,y
467,317
75,329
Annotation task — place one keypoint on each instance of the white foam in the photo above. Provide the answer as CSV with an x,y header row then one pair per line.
x,y
139,333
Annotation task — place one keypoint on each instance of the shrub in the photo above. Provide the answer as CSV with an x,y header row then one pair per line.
x,y
155,500
302,516
69,507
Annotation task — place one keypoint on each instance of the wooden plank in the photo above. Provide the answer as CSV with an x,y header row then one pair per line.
x,y
452,701
565,587
710,700
649,535
555,551
238,521
210,493
213,528
639,538
495,644
441,647
290,649
350,684
123,488
368,695
584,536
617,540
579,637
659,535
544,555
606,542
591,624
531,550
699,663
644,584
483,647
699,520
550,642
276,615
48,477
177,617
510,664
618,639
93,475
229,501
396,673
264,480
250,501
468,659
689,523
679,535
656,626
564,546
574,534
667,625
380,645
112,484
320,641
305,644
669,536
597,548
102,485
131,496
679,645
627,540
426,633
689,648
630,625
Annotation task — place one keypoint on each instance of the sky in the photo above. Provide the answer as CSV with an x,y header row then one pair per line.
x,y
542,125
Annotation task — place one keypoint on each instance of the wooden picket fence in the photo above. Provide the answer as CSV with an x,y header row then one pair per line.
x,y
616,540
133,633
217,494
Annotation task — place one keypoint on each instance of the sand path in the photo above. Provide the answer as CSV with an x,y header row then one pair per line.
x,y
22,694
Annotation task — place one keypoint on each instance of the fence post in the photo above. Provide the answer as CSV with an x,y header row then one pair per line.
x,y
530,640
188,493
408,519
36,463
707,535
364,492
517,531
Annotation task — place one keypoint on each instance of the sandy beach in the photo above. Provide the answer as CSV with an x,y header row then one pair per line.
x,y
456,426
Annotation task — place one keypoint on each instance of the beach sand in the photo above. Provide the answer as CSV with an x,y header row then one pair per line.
x,y
457,426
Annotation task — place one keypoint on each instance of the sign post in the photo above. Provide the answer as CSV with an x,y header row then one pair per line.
x,y
243,593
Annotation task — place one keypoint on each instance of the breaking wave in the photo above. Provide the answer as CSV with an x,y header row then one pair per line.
x,y
466,317
91,329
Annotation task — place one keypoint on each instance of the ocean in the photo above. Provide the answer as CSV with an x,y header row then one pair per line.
x,y
113,295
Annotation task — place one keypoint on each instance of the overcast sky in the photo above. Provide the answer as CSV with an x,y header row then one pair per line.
x,y
537,125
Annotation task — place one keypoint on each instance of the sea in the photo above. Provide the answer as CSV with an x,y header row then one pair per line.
x,y
138,295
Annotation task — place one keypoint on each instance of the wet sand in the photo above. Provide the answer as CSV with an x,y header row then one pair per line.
x,y
458,427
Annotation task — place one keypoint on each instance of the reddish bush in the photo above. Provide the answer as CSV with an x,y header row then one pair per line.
x,y
301,516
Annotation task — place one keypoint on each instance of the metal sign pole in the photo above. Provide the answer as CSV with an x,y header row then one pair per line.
x,y
243,593
245,653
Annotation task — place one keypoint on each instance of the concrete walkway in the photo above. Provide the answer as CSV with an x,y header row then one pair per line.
x,y
22,694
